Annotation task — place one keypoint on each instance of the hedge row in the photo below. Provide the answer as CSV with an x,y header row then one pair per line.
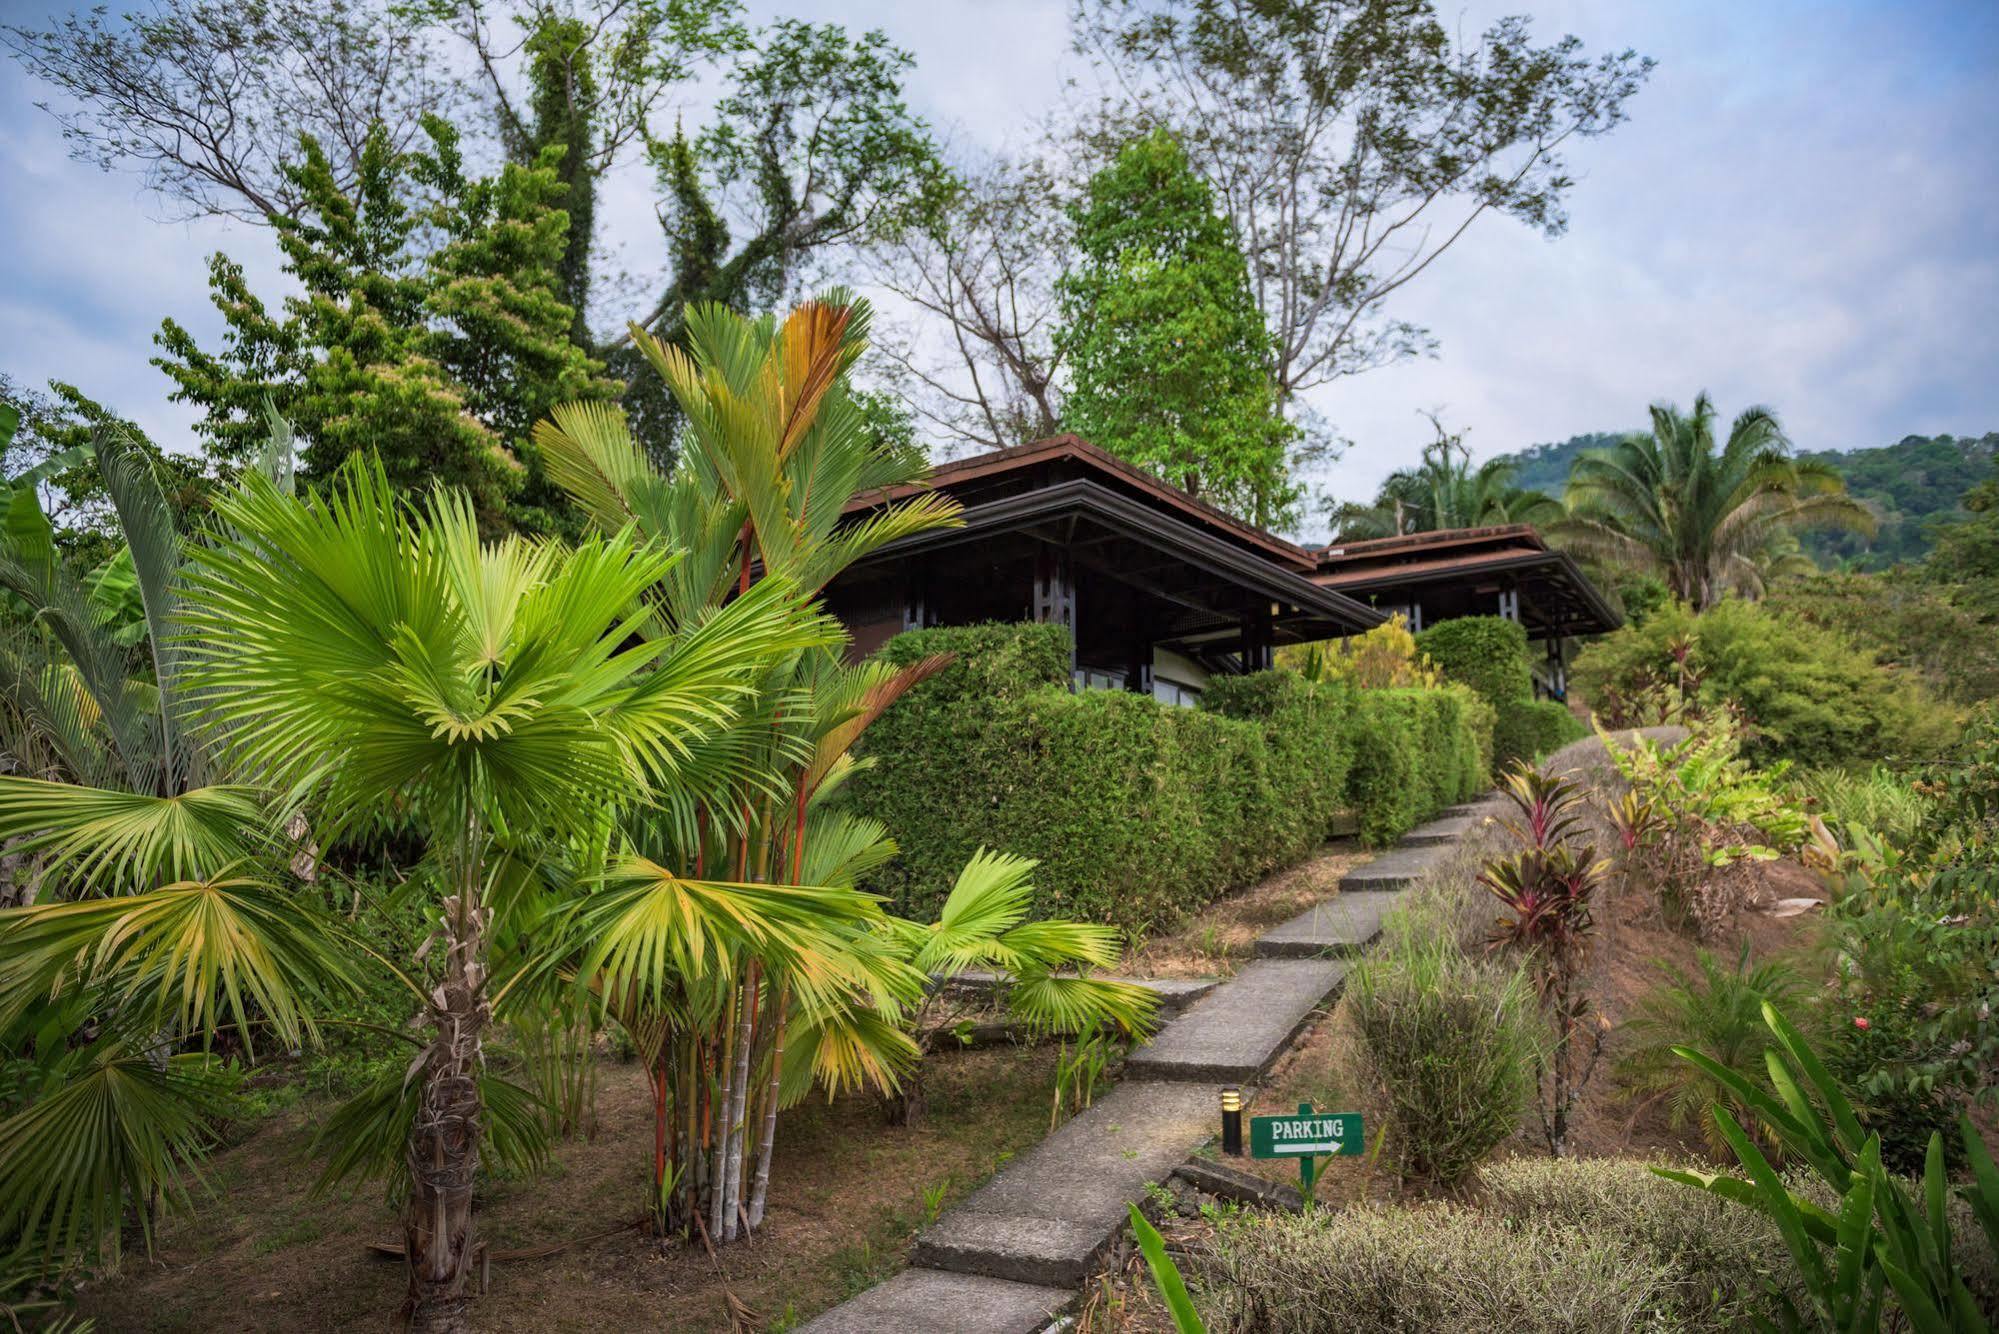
x,y
1489,654
1140,812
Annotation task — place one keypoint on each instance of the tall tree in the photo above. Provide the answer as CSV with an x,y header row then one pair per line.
x,y
434,336
1707,519
812,149
1170,363
1444,491
1352,142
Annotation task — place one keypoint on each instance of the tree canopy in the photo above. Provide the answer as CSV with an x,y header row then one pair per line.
x,y
1170,363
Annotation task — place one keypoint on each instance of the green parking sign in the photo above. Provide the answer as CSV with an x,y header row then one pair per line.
x,y
1306,1137
1307,1134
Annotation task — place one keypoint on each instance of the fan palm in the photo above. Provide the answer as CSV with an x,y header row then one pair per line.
x,y
380,662
160,907
1444,491
1706,520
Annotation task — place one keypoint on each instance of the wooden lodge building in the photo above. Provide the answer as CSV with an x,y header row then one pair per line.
x,y
1160,590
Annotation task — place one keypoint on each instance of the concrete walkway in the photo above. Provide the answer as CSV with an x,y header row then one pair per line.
x,y
1012,1254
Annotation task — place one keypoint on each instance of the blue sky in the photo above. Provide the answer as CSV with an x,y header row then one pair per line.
x,y
1803,211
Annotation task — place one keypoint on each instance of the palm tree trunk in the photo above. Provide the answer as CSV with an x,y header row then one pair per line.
x,y
765,1145
443,1151
738,1110
718,1152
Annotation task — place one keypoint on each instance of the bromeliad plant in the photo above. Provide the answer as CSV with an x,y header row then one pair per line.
x,y
1548,888
1878,1236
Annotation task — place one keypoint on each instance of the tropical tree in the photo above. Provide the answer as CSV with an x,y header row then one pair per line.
x,y
1169,361
1444,491
1706,519
377,662
154,900
741,1005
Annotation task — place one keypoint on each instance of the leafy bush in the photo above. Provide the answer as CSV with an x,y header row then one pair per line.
x,y
1695,817
1384,657
1530,729
1137,811
1808,694
1914,929
1487,653
1904,619
1718,1013
1445,1048
1878,1234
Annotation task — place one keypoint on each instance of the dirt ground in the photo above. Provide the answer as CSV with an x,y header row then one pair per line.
x,y
1222,937
847,1195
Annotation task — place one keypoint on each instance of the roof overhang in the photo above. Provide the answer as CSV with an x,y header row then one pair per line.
x,y
1305,608
1561,600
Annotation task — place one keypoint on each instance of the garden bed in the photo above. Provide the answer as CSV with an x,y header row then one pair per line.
x,y
847,1196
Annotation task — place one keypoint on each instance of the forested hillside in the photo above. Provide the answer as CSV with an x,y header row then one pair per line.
x,y
1911,484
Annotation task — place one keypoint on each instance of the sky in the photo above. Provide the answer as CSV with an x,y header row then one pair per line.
x,y
1802,211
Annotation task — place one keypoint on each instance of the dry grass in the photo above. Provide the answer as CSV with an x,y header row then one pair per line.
x,y
848,1194
1222,936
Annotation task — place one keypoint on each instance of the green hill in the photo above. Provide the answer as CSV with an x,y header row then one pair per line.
x,y
1911,483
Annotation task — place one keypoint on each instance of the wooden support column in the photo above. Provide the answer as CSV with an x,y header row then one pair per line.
x,y
1055,593
1258,636
915,610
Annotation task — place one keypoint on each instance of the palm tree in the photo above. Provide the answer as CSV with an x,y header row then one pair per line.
x,y
1444,491
161,905
1705,520
380,663
822,993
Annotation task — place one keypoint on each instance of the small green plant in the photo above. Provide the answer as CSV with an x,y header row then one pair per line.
x,y
933,1200
1717,1010
1880,802
1447,1044
1077,1073
1166,1275
1877,1233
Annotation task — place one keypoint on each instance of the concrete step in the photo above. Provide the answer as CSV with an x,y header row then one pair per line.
x,y
1443,829
1397,868
922,1301
1235,1034
1050,1214
1175,993
1485,805
1345,924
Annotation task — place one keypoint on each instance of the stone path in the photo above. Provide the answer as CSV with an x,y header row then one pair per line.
x,y
1012,1254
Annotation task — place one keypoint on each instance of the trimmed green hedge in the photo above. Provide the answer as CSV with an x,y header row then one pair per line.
x,y
1140,812
1489,654
1532,729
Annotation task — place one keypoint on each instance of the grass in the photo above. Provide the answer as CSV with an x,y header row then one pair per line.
x,y
848,1195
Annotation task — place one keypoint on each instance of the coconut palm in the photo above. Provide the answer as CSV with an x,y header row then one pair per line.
x,y
379,662
1706,520
777,447
1444,491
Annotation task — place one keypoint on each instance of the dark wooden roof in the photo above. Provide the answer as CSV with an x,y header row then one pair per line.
x,y
1155,536
1457,564
1062,457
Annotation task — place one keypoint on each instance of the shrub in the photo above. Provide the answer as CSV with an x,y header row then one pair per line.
x,y
1718,1013
1445,1049
1530,729
1715,1261
1371,1268
1383,657
1137,811
1904,619
1487,653
1809,695
1695,817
